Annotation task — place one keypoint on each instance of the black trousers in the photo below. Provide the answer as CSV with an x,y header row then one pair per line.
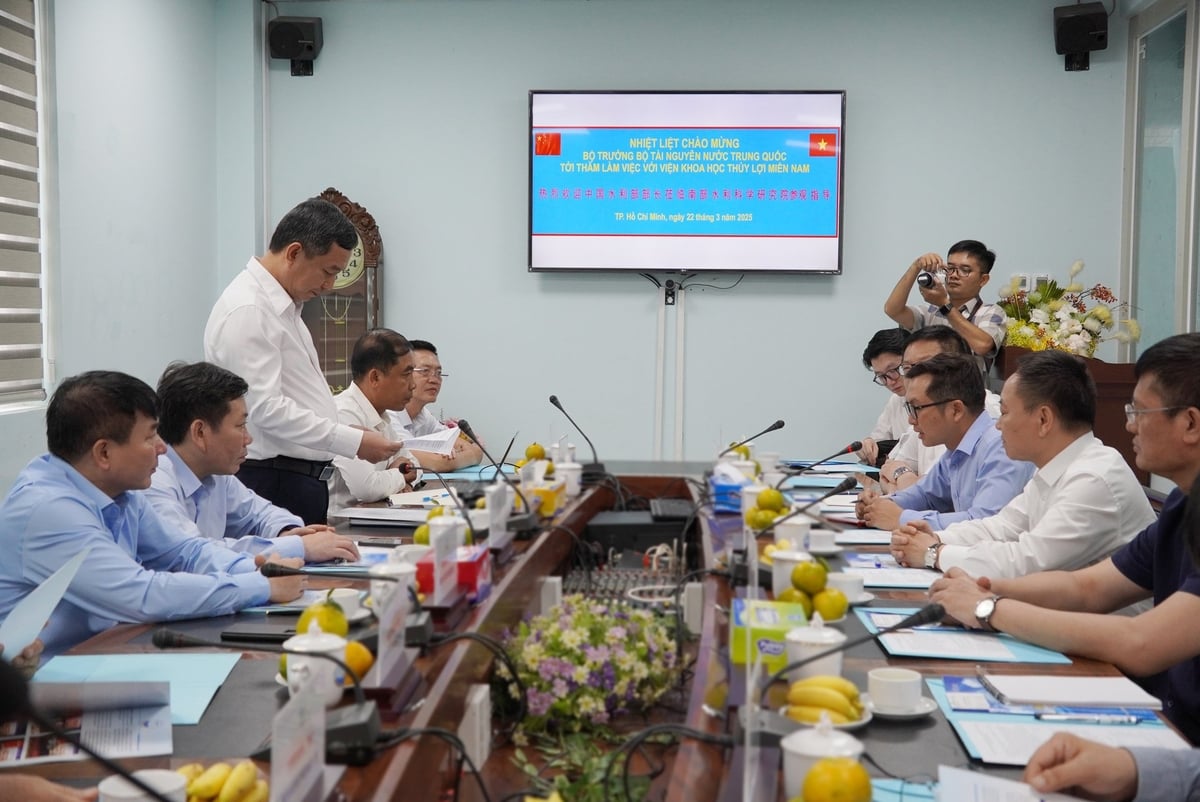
x,y
304,496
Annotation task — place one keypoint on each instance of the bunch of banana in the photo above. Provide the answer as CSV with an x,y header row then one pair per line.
x,y
834,696
224,783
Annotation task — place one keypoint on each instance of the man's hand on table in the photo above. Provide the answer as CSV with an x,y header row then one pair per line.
x,y
285,588
1069,763
959,593
911,541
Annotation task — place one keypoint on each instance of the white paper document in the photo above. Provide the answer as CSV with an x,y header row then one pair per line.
x,y
426,499
961,785
439,442
1040,689
963,645
385,515
863,537
1012,743
125,733
26,620
895,577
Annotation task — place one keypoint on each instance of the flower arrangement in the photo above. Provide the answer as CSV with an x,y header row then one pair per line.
x,y
586,661
1071,318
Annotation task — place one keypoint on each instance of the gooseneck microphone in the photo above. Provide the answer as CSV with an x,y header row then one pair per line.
x,y
516,523
15,703
594,471
350,732
850,449
849,483
929,614
776,425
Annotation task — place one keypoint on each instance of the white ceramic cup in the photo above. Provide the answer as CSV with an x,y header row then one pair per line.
x,y
781,568
308,674
745,467
849,584
822,540
768,460
894,690
572,475
793,530
805,746
405,571
804,642
772,478
170,784
349,599
750,495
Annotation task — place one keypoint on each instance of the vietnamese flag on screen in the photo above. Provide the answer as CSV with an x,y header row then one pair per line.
x,y
822,144
547,144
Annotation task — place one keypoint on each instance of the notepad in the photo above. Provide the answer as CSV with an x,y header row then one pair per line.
x,y
1040,689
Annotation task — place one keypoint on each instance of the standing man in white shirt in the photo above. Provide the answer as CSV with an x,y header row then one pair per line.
x,y
202,419
255,331
416,420
382,368
1082,504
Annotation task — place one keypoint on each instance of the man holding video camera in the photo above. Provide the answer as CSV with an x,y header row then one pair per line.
x,y
951,289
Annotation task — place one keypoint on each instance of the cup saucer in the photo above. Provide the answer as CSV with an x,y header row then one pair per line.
x,y
359,615
863,598
827,551
923,708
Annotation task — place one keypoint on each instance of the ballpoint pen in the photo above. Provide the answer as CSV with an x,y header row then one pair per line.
x,y
1087,718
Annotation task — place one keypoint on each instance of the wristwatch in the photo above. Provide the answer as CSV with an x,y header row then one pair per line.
x,y
931,555
903,469
944,310
984,611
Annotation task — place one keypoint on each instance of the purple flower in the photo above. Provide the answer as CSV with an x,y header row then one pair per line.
x,y
539,702
560,688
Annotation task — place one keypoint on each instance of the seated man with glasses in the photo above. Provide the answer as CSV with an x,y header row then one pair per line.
x,y
882,357
1083,503
910,459
415,419
953,301
975,478
381,366
1063,610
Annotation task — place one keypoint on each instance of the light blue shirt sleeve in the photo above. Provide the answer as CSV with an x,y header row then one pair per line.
x,y
1167,774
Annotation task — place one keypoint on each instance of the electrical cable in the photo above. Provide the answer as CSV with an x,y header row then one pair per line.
x,y
712,286
498,650
637,739
398,737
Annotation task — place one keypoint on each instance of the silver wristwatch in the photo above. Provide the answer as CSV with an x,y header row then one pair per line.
x,y
931,555
985,610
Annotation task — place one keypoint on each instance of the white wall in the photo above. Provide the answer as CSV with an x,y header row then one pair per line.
x,y
961,122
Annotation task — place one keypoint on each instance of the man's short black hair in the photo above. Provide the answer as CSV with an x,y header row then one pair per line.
x,y
97,405
952,376
973,247
1174,365
885,341
423,345
1061,380
378,349
949,340
200,391
317,225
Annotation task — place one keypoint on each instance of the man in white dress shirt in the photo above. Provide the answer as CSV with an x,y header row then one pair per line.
x,y
255,331
202,419
382,368
882,356
415,419
1081,505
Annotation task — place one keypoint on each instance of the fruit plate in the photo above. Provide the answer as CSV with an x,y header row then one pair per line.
x,y
867,715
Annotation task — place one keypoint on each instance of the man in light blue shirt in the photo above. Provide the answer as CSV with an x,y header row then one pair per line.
x,y
974,478
102,432
202,418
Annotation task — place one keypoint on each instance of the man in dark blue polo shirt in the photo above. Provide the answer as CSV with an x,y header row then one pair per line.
x,y
1062,609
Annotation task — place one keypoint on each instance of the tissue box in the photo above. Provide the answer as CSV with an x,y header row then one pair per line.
x,y
726,494
769,623
474,571
550,496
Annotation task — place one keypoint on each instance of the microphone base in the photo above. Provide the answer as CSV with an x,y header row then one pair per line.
x,y
351,733
593,472
524,525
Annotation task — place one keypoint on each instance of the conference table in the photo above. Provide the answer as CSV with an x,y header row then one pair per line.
x,y
238,720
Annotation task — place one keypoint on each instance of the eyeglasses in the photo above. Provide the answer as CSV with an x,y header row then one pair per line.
x,y
905,367
955,270
891,374
1131,412
912,409
431,373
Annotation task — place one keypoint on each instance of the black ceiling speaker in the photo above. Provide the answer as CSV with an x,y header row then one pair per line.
x,y
295,38
1080,28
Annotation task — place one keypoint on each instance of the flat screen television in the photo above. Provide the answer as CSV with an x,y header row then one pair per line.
x,y
686,181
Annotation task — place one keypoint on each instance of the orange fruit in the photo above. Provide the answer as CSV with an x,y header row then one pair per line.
x,y
793,596
831,603
837,779
763,519
750,516
421,535
329,617
809,577
435,512
770,499
535,451
360,660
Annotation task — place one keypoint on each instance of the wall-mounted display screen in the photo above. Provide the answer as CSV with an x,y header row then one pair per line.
x,y
686,181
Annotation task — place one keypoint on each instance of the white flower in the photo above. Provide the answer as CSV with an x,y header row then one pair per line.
x,y
1038,316
1093,325
1076,268
1078,344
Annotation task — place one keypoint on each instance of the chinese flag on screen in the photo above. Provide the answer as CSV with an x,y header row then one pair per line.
x,y
547,144
822,144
